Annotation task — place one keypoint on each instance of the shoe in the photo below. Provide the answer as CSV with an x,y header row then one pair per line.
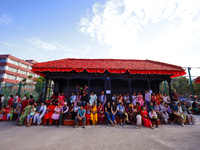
x,y
190,123
136,127
83,126
49,125
59,125
182,125
194,123
140,127
121,124
45,124
157,126
124,123
75,126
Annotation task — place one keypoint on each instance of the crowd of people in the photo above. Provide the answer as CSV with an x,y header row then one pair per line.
x,y
93,109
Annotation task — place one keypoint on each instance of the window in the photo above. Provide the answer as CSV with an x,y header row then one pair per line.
x,y
1,67
24,66
1,75
14,62
22,72
10,77
29,67
29,80
3,60
12,69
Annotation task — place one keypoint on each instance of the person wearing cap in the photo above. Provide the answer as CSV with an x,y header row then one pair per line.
x,y
63,113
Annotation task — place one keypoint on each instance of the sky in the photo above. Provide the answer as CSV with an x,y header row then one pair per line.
x,y
160,30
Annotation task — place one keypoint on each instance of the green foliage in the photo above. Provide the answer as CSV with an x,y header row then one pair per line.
x,y
24,80
30,76
39,84
162,87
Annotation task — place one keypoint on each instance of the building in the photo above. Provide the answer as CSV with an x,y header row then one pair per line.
x,y
109,75
13,70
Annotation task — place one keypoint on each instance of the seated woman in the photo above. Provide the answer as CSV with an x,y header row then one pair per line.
x,y
163,110
145,119
131,116
176,113
113,112
24,114
93,99
94,114
126,99
153,117
196,107
49,112
78,97
181,112
146,106
108,113
134,98
157,110
72,98
185,108
155,99
88,113
84,99
159,96
56,114
119,99
151,106
2,112
63,113
171,116
15,113
121,113
74,110
100,110
166,99
140,99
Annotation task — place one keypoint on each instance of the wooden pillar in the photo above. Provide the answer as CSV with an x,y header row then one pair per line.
x,y
129,87
149,84
68,80
88,87
170,89
46,84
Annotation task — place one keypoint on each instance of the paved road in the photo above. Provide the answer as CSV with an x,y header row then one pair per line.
x,y
101,137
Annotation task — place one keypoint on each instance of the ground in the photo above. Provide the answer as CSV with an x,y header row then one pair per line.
x,y
166,137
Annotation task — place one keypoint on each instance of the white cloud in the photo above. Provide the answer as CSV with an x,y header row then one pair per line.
x,y
14,45
5,19
118,23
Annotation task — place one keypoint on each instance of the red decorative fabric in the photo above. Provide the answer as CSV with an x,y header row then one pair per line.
x,y
197,80
115,66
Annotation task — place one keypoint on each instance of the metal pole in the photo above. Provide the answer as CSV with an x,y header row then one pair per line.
x,y
165,87
191,83
19,89
43,84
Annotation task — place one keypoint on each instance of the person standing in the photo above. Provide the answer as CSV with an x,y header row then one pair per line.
x,y
147,98
1,100
15,100
102,98
80,116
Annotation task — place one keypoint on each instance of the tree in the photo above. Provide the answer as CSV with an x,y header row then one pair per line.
x,y
182,85
39,84
30,76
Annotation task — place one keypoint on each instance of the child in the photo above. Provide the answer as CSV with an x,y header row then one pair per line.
x,y
33,109
74,111
139,120
10,114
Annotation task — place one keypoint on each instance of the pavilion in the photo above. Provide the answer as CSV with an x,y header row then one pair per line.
x,y
109,75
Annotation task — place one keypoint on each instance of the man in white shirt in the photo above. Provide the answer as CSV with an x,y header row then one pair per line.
x,y
39,115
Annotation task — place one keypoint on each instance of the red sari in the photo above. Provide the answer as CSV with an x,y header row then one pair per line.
x,y
100,115
155,99
146,121
88,112
49,113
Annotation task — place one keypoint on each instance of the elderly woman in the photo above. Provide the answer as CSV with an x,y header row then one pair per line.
x,y
140,99
93,99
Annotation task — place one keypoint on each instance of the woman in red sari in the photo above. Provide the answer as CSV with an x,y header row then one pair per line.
x,y
155,99
50,110
145,118
100,111
88,112
10,100
120,99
